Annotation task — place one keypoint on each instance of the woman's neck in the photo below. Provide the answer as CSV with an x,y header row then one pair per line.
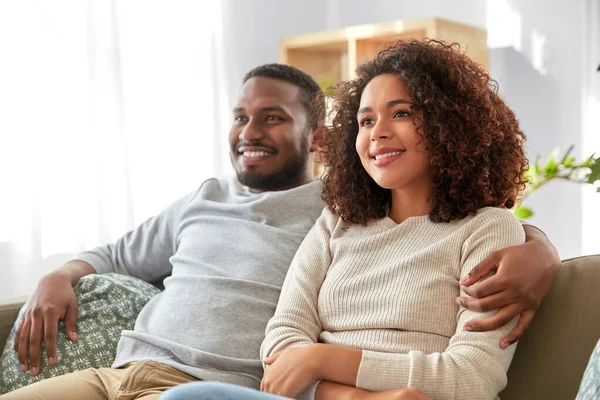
x,y
410,201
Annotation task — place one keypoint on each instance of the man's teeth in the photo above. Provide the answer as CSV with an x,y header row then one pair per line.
x,y
393,153
256,153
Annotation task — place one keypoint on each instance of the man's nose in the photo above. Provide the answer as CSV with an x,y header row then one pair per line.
x,y
251,132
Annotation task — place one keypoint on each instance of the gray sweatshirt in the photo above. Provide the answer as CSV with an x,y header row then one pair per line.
x,y
225,253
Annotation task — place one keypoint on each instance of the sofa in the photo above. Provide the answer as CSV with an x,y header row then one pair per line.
x,y
550,359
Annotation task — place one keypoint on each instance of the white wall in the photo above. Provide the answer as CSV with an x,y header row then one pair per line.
x,y
542,83
539,67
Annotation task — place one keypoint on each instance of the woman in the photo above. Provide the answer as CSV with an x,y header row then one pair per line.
x,y
423,160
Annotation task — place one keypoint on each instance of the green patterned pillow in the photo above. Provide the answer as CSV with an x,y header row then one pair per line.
x,y
107,305
590,384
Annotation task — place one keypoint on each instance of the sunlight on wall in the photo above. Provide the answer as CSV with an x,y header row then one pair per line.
x,y
538,52
170,115
590,212
108,117
503,25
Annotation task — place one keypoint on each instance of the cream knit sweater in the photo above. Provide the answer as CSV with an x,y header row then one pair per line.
x,y
390,289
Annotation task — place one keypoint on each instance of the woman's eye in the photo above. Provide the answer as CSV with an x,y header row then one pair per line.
x,y
401,113
365,122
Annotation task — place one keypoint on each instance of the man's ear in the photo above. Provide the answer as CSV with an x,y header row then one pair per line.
x,y
313,137
312,145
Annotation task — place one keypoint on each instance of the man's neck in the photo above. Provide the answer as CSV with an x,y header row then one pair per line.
x,y
299,183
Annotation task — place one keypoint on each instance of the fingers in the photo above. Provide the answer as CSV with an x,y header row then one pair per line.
x,y
489,303
519,331
422,396
24,344
272,358
50,332
493,284
35,343
503,317
489,264
412,393
71,320
18,333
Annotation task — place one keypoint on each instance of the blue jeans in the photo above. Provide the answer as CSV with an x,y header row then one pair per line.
x,y
215,391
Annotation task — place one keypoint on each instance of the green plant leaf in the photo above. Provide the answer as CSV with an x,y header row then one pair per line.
x,y
598,189
567,153
569,162
551,167
327,84
588,161
594,174
522,212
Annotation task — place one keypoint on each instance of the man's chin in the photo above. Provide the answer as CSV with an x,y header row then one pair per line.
x,y
254,180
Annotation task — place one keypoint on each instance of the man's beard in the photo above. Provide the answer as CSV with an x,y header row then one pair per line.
x,y
287,177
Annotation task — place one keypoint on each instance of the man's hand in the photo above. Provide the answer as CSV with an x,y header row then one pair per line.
x,y
290,372
52,300
523,277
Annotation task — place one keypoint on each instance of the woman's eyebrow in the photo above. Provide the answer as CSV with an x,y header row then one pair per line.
x,y
390,104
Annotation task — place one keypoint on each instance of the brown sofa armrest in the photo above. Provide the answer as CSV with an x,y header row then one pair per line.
x,y
552,355
8,315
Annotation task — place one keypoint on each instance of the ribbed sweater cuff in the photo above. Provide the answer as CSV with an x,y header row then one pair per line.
x,y
377,370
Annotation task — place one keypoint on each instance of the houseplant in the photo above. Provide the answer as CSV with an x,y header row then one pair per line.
x,y
566,168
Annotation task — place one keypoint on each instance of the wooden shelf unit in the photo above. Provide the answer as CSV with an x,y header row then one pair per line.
x,y
332,56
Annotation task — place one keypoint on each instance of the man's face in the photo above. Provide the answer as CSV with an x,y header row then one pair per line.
x,y
270,136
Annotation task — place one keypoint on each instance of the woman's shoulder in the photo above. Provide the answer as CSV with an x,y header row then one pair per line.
x,y
495,214
495,219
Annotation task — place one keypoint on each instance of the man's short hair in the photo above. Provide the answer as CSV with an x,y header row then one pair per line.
x,y
311,95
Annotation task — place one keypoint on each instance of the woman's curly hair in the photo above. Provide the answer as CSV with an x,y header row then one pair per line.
x,y
474,141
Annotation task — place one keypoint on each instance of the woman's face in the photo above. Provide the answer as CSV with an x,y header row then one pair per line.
x,y
389,147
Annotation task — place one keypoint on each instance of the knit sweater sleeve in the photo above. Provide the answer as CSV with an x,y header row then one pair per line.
x,y
145,251
473,366
296,321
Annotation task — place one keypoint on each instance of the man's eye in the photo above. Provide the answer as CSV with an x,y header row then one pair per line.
x,y
273,118
240,118
365,122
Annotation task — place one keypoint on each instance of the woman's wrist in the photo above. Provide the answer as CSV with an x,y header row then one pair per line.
x,y
319,355
335,363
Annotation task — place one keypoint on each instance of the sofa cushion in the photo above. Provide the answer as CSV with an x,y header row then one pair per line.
x,y
107,305
552,355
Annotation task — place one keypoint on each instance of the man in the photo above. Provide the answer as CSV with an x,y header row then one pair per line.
x,y
226,249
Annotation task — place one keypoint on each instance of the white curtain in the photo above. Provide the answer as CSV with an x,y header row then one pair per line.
x,y
591,122
109,111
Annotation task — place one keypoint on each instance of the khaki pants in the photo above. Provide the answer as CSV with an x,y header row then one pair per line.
x,y
145,380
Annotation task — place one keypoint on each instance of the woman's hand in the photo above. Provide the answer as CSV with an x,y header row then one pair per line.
x,y
290,372
398,394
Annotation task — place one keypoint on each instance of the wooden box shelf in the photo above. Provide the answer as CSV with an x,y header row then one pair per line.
x,y
332,56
